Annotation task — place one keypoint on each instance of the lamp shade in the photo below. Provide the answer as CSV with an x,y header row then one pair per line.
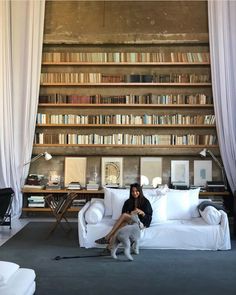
x,y
203,152
47,156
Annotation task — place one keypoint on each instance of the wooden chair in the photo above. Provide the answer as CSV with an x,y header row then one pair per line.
x,y
59,207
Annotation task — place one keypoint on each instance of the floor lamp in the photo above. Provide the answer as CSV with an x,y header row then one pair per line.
x,y
204,153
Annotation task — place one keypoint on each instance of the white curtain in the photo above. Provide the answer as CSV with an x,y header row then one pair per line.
x,y
21,39
222,34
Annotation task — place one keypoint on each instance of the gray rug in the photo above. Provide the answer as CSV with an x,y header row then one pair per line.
x,y
152,272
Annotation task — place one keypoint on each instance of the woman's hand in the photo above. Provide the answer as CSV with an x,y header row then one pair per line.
x,y
138,211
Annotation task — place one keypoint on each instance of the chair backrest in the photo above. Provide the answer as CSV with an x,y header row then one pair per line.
x,y
6,195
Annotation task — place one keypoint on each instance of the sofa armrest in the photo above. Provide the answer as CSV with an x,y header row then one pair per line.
x,y
82,224
224,227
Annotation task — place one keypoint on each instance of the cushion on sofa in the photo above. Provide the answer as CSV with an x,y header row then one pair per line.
x,y
118,197
211,215
7,269
95,212
194,201
108,198
159,207
178,204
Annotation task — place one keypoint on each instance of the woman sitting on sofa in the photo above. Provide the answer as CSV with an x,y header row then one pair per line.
x,y
136,204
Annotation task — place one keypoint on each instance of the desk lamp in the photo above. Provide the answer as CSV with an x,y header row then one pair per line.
x,y
204,153
46,156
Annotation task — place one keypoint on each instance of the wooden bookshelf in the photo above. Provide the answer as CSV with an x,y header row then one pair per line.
x,y
64,64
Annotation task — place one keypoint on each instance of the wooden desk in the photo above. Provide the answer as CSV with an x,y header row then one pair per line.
x,y
82,194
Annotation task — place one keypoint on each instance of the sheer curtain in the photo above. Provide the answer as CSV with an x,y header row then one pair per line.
x,y
21,38
222,34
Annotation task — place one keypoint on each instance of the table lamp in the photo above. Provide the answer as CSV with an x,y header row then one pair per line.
x,y
46,156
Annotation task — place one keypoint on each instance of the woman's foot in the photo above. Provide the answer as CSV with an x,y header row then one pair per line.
x,y
102,241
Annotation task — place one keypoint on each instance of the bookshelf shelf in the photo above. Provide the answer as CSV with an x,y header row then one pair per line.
x,y
144,79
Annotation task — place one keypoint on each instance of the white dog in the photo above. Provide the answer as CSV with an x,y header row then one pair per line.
x,y
128,234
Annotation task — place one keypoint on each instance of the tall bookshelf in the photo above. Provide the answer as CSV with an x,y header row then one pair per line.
x,y
129,99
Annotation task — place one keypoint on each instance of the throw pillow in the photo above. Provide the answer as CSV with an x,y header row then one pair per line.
x,y
159,207
7,269
194,201
107,201
211,215
118,197
95,212
178,204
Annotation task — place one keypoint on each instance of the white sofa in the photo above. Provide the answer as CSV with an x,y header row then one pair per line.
x,y
15,280
176,222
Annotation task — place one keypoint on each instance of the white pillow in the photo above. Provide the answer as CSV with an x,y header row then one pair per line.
x,y
118,197
7,269
194,201
95,212
178,204
159,207
211,215
107,201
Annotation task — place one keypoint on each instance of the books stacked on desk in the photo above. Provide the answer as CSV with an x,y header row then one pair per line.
x,y
92,186
53,185
74,185
78,202
215,186
31,186
36,201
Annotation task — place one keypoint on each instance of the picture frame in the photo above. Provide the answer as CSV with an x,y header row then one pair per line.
x,y
180,172
75,170
150,171
202,172
112,171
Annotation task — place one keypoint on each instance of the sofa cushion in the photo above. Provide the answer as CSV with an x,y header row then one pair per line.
x,y
109,194
178,204
159,207
211,215
7,269
118,197
194,201
95,212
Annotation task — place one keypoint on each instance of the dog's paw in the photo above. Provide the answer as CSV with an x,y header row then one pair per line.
x,y
113,255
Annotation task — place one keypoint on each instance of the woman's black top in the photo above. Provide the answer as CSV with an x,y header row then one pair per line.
x,y
145,207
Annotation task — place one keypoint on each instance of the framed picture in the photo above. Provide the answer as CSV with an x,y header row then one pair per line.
x,y
75,170
202,172
112,171
180,172
150,171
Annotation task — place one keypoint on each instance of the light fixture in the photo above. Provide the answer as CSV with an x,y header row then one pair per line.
x,y
204,153
46,156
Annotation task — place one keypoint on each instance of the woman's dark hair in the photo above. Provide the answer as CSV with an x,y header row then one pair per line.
x,y
139,200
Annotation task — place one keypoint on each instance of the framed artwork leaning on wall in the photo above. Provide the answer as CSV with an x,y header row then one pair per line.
x,y
180,173
112,171
202,172
150,171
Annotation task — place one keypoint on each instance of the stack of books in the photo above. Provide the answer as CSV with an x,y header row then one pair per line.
x,y
53,185
92,186
36,201
74,185
78,202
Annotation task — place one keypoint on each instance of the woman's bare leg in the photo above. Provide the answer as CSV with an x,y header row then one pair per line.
x,y
122,221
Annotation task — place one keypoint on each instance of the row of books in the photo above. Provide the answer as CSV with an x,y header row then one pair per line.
x,y
149,98
121,119
125,139
131,57
64,77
